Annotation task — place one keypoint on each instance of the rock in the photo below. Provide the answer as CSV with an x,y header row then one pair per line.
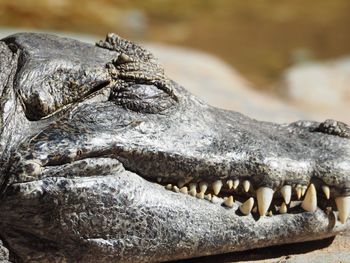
x,y
320,85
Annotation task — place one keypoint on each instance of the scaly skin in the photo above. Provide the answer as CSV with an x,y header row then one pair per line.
x,y
90,135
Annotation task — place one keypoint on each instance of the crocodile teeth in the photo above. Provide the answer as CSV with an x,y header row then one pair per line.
x,y
184,190
200,195
246,185
229,184
310,201
343,206
303,190
193,186
193,189
169,186
229,201
217,187
192,192
264,196
176,189
235,184
283,208
326,191
208,197
247,206
286,192
298,190
203,186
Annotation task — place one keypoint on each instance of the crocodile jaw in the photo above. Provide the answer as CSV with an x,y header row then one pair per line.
x,y
122,217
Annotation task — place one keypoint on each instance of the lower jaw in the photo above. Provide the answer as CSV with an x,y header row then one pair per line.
x,y
238,232
184,226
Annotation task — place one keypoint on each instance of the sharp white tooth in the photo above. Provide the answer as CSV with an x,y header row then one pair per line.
x,y
247,206
293,204
229,201
184,190
283,208
229,184
303,190
169,186
200,195
203,186
264,197
176,189
193,186
159,179
208,197
235,184
298,191
270,213
286,192
217,186
246,185
310,201
192,192
343,206
326,191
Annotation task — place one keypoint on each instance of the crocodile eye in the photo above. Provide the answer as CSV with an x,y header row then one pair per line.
x,y
139,81
143,98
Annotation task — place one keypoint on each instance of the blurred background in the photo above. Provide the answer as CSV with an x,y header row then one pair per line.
x,y
272,60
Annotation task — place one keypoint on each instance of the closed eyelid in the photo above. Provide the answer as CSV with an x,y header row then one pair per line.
x,y
143,98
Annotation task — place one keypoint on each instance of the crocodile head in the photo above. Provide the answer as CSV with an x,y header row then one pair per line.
x,y
105,159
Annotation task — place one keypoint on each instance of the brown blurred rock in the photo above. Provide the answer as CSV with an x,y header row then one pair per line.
x,y
326,84
322,86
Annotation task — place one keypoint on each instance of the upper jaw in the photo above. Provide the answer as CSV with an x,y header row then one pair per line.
x,y
209,145
190,140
